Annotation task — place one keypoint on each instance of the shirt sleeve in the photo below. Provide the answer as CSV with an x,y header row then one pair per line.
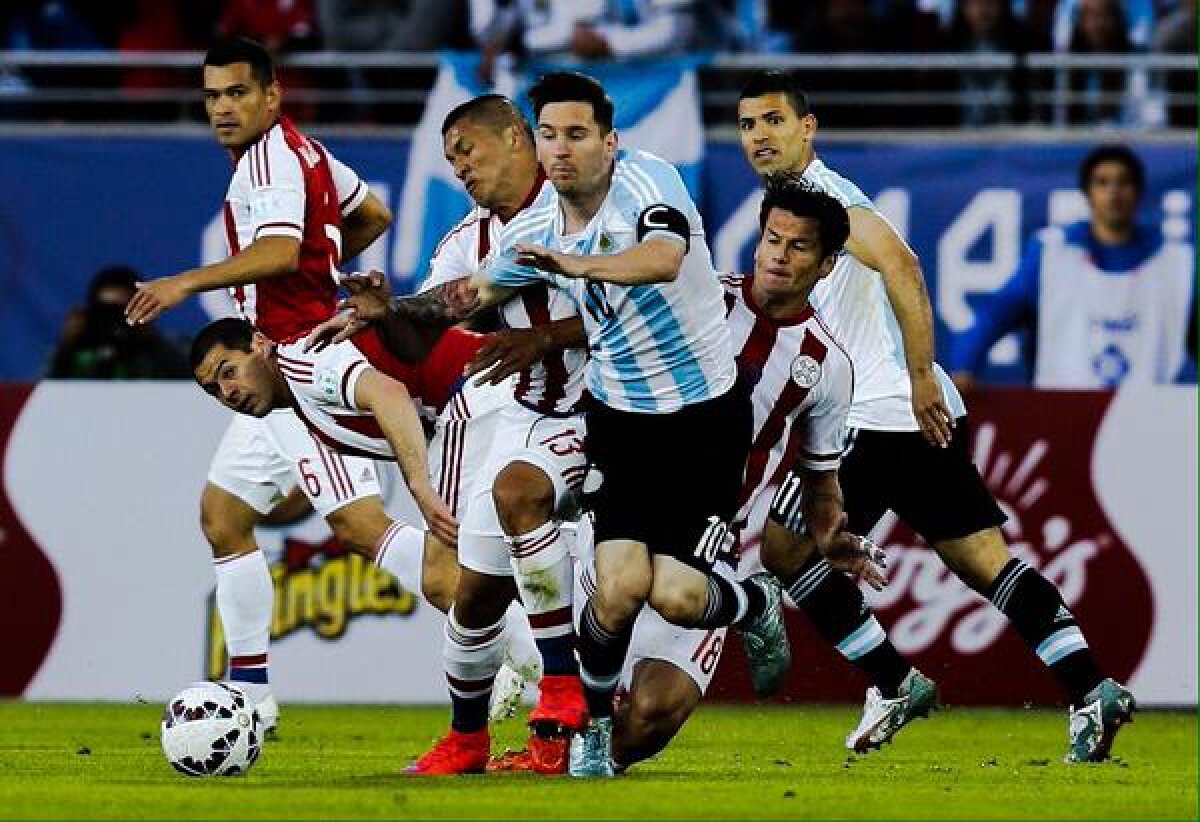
x,y
453,258
1000,312
648,182
328,377
351,190
275,198
824,435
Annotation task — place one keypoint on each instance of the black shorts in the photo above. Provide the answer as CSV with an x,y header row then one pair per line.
x,y
671,481
936,491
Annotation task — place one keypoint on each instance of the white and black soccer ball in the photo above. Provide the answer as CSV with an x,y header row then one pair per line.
x,y
209,729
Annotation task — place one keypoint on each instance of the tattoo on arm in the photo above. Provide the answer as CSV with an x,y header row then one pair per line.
x,y
444,305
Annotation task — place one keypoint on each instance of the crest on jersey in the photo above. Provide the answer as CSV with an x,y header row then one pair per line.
x,y
606,244
806,372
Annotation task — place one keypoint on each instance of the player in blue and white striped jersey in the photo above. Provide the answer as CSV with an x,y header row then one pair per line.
x,y
669,423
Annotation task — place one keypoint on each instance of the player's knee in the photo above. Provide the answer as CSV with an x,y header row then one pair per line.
x,y
678,601
229,531
524,498
354,535
619,596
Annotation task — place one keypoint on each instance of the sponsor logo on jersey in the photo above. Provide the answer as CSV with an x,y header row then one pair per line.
x,y
321,587
806,372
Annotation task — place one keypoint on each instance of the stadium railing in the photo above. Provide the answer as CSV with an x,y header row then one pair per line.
x,y
1144,92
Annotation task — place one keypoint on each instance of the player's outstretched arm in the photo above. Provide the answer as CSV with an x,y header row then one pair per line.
x,y
654,260
364,225
515,349
389,401
266,257
877,245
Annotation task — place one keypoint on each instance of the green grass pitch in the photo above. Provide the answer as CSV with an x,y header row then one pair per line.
x,y
104,761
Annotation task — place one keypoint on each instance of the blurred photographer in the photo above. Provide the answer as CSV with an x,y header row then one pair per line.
x,y
98,344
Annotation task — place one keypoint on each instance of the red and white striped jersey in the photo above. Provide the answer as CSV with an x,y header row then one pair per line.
x,y
802,382
286,185
554,385
323,385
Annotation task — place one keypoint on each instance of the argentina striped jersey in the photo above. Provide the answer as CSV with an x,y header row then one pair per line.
x,y
653,348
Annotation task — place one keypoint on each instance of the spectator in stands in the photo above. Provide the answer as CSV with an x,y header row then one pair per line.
x,y
570,29
1100,96
1176,34
97,343
992,96
1107,300
280,25
393,25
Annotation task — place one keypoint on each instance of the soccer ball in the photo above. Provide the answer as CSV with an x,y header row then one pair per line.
x,y
208,729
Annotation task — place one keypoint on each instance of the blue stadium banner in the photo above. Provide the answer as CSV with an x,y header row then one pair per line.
x,y
74,204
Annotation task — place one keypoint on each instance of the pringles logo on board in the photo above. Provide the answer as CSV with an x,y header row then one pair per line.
x,y
320,587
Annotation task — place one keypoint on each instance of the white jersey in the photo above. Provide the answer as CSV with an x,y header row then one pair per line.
x,y
322,384
654,348
854,303
554,384
802,382
1097,328
286,185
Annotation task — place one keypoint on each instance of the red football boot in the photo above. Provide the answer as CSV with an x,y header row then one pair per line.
x,y
455,753
545,755
560,703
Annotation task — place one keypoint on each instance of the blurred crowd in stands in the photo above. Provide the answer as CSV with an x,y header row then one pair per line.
x,y
624,29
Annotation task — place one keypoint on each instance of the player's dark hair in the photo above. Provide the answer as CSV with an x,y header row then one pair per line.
x,y
573,87
495,111
792,194
1113,153
777,82
234,333
229,50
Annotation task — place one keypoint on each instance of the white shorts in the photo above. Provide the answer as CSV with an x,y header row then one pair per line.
x,y
259,460
518,434
463,437
695,651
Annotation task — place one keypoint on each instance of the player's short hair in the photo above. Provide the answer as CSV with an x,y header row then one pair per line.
x,y
1113,153
234,333
791,193
573,87
494,111
229,50
777,82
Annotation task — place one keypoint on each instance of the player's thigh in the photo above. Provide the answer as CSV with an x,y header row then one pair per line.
x,y
466,434
329,478
945,498
249,466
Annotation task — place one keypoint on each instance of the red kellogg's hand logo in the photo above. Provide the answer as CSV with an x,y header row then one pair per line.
x,y
1039,469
